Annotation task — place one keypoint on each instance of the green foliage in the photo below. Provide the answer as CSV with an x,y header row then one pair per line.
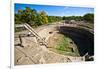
x,y
77,18
54,19
89,17
63,44
34,18
43,17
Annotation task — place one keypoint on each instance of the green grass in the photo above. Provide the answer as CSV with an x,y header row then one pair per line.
x,y
63,43
63,46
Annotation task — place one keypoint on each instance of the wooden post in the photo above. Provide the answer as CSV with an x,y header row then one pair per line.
x,y
20,41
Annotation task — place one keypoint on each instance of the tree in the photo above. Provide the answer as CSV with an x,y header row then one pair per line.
x,y
43,17
34,18
26,16
89,17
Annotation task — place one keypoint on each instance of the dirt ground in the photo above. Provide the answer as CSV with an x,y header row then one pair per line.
x,y
33,53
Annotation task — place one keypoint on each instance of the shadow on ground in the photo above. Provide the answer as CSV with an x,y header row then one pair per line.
x,y
81,37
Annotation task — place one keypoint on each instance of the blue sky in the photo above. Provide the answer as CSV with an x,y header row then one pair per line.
x,y
56,10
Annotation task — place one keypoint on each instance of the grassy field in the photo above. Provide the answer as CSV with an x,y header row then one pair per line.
x,y
63,46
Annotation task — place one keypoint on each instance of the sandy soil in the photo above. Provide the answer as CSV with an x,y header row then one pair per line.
x,y
33,53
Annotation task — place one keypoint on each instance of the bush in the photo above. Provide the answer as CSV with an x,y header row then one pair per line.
x,y
89,17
